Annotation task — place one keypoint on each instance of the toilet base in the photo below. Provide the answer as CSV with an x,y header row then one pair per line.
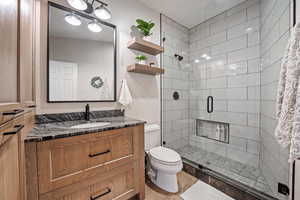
x,y
167,182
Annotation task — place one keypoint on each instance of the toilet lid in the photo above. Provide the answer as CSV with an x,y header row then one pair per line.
x,y
165,154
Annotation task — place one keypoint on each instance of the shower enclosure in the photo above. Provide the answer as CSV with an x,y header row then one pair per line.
x,y
219,99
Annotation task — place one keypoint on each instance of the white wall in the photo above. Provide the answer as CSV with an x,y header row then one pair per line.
x,y
145,89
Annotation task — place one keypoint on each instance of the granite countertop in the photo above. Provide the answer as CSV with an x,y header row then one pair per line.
x,y
55,130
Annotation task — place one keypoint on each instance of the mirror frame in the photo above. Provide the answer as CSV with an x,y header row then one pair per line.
x,y
51,4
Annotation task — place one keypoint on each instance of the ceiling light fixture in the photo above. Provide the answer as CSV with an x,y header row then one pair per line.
x,y
94,26
73,19
100,11
78,4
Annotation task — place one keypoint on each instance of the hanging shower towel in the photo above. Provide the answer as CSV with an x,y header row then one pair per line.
x,y
125,96
288,98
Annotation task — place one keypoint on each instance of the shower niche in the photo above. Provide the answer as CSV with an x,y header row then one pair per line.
x,y
218,131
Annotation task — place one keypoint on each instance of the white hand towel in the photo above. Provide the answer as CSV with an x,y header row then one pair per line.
x,y
125,96
288,99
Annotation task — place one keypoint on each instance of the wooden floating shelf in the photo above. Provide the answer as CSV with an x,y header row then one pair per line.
x,y
145,46
145,69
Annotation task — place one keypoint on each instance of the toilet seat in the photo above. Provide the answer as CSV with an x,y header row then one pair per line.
x,y
165,156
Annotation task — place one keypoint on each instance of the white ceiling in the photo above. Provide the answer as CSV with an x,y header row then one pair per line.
x,y
191,12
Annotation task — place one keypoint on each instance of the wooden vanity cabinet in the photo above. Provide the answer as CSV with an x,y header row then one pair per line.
x,y
12,160
104,165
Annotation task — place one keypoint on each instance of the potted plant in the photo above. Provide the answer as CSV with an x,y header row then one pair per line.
x,y
141,59
145,27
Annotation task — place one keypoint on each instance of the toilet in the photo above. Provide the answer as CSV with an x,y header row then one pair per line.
x,y
164,163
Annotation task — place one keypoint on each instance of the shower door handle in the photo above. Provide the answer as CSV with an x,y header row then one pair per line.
x,y
210,104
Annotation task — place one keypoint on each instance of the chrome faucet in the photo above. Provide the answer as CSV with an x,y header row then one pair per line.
x,y
87,112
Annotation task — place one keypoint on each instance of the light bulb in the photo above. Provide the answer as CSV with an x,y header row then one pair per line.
x,y
94,26
102,13
78,4
73,19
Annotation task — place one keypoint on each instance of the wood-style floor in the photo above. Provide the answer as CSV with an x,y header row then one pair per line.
x,y
154,193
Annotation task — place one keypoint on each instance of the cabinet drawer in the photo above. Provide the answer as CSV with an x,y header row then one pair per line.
x,y
69,160
113,145
114,185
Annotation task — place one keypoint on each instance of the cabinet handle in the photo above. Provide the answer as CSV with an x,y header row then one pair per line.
x,y
101,195
98,154
17,128
210,104
13,112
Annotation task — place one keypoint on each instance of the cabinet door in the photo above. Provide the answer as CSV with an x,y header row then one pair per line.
x,y
9,168
26,51
9,50
16,51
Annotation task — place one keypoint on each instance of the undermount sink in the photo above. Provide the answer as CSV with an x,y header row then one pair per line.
x,y
91,125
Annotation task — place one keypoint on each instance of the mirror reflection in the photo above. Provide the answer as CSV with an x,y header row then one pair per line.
x,y
81,63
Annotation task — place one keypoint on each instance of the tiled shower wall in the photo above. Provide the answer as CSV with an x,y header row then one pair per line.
x,y
231,76
176,78
275,23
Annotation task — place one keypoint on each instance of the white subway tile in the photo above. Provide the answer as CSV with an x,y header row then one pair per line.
x,y
254,65
238,143
236,18
242,6
253,120
228,46
253,11
244,80
217,83
236,68
253,38
243,106
220,105
219,94
254,93
230,117
245,132
237,93
269,91
243,29
253,147
244,54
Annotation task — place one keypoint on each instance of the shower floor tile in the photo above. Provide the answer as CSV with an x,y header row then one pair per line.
x,y
245,174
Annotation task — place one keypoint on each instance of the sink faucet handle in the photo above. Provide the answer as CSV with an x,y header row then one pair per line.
x,y
87,112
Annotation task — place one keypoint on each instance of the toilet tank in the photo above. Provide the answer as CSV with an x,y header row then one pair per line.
x,y
152,136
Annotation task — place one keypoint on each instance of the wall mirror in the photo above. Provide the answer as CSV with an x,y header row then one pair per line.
x,y
81,57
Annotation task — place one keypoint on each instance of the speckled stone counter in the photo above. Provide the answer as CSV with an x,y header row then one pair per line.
x,y
62,129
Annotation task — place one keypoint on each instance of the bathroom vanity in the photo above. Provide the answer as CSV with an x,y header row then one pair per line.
x,y
104,162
